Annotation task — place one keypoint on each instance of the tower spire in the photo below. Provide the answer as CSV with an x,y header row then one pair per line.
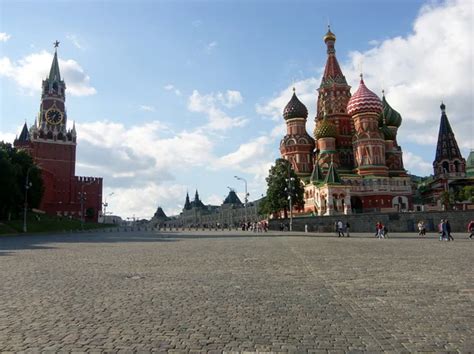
x,y
54,74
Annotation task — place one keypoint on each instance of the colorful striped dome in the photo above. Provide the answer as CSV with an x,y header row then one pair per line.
x,y
295,109
364,100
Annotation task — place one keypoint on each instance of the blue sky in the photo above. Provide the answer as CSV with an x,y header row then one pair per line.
x,y
173,96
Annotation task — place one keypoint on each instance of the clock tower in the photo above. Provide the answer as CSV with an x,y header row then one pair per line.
x,y
53,148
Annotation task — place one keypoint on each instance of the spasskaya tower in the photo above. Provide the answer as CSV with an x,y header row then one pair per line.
x,y
53,148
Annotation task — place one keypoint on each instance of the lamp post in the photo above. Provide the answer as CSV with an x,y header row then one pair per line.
x,y
105,204
289,189
27,186
246,196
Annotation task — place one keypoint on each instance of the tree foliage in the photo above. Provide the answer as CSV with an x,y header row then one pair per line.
x,y
278,189
14,167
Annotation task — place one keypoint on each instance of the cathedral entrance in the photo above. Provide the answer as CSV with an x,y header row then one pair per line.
x,y
356,204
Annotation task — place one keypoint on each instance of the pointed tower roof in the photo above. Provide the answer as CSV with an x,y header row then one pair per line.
x,y
24,135
232,198
160,213
332,71
316,175
447,147
332,176
187,203
54,74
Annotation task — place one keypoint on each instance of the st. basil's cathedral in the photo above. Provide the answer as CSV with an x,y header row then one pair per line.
x,y
354,162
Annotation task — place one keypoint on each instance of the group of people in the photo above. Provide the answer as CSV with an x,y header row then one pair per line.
x,y
444,229
381,230
342,229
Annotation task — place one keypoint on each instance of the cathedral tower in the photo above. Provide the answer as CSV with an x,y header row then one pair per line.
x,y
297,146
368,141
333,96
448,161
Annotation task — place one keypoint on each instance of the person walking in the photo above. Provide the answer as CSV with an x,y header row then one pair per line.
x,y
340,229
385,231
348,226
421,228
448,230
379,227
442,230
470,229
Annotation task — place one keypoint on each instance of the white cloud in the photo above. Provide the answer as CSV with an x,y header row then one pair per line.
x,y
29,72
434,63
210,46
214,199
415,164
209,105
171,87
4,37
147,108
144,200
75,41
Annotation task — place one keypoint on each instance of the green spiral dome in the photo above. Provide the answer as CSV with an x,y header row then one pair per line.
x,y
392,117
325,129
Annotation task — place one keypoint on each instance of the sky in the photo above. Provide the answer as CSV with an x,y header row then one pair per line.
x,y
174,96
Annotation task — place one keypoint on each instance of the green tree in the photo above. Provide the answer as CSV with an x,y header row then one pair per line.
x,y
279,189
15,166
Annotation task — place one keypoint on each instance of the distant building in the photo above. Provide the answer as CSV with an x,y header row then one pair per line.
x,y
232,212
159,218
53,149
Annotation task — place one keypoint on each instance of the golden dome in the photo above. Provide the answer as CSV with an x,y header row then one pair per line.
x,y
329,36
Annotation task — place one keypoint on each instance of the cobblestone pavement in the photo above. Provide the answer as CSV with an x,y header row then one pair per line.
x,y
177,292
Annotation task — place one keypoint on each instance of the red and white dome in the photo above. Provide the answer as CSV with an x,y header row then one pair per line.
x,y
364,100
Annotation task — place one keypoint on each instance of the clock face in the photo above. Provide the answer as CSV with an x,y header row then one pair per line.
x,y
53,116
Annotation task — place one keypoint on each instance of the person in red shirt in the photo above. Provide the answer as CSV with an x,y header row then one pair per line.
x,y
470,229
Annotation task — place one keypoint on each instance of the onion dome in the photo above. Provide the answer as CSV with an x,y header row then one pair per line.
x,y
388,134
391,116
364,100
295,109
325,129
329,36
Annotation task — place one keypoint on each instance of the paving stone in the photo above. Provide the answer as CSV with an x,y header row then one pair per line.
x,y
234,292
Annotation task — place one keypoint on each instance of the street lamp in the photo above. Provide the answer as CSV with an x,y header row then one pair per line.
x,y
27,186
289,189
246,196
105,204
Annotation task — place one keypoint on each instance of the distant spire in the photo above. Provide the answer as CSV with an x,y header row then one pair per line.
x,y
24,135
447,146
54,74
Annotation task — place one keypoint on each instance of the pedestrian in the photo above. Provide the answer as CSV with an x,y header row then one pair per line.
x,y
421,228
448,230
348,226
340,229
470,229
385,231
441,230
379,227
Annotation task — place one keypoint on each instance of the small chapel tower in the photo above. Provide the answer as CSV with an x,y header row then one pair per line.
x,y
297,146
